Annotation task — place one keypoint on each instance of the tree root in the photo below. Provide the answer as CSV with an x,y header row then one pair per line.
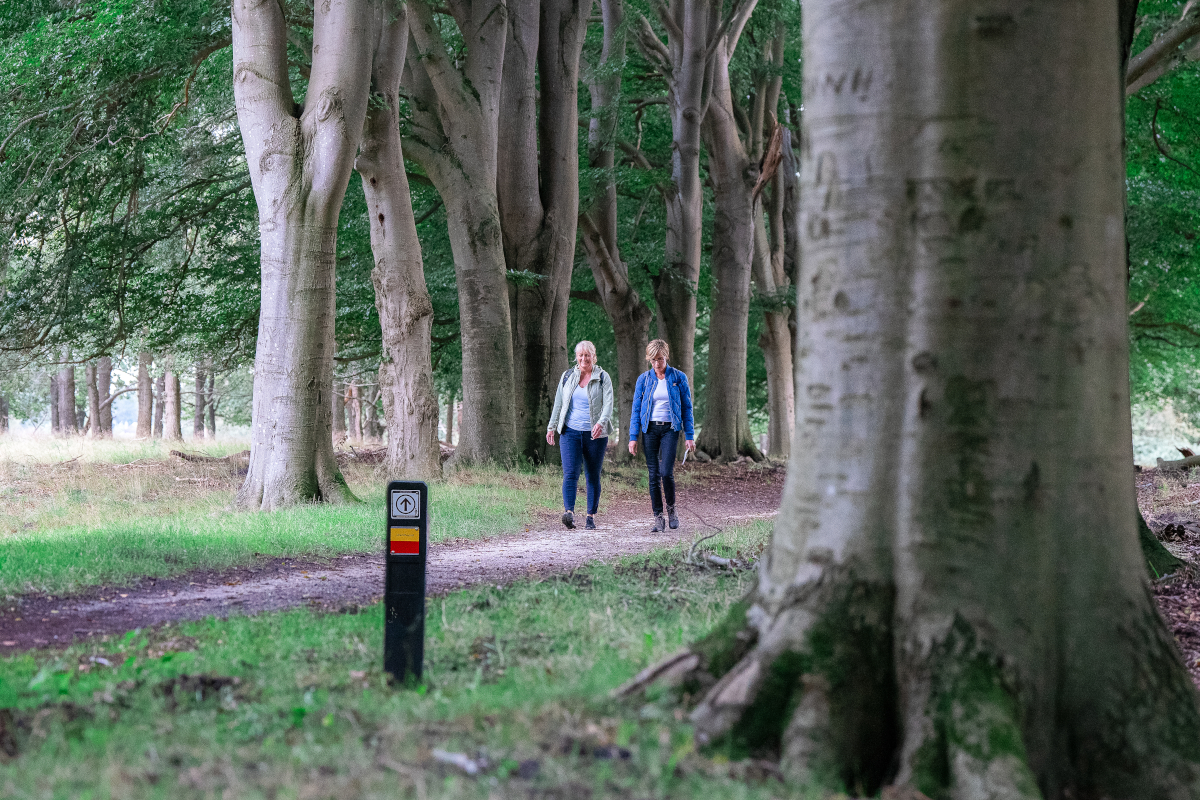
x,y
237,459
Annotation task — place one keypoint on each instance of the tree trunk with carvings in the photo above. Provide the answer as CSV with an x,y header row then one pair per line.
x,y
455,104
300,159
628,313
538,196
401,297
725,432
954,599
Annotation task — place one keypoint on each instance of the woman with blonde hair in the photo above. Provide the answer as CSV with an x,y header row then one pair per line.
x,y
662,407
583,418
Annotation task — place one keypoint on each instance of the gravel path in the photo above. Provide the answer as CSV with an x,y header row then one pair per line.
x,y
728,496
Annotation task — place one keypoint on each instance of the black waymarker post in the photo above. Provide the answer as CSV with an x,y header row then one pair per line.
x,y
404,584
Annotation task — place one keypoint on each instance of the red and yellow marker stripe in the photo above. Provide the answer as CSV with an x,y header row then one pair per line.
x,y
405,541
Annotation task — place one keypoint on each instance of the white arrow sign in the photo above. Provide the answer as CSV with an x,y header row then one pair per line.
x,y
406,504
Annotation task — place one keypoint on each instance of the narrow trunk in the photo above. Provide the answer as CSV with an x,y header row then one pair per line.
x,y
628,313
300,159
160,399
67,419
200,394
55,420
455,133
450,420
353,415
210,402
954,598
93,400
537,192
771,279
725,432
104,387
3,415
145,396
405,374
171,407
339,413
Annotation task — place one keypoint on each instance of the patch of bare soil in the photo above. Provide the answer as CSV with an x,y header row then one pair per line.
x,y
709,497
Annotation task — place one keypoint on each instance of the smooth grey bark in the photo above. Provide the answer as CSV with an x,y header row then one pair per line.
x,y
454,135
3,415
145,396
68,421
405,375
300,160
172,427
160,399
200,394
538,197
93,400
725,431
104,389
685,63
450,420
628,313
954,598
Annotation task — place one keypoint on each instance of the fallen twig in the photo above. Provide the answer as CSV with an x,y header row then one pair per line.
x,y
68,461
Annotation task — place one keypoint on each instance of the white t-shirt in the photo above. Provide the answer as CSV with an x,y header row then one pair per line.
x,y
580,418
661,412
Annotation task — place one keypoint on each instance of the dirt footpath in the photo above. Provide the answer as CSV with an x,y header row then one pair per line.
x,y
719,497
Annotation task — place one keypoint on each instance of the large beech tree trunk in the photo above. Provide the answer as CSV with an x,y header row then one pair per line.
x,y
67,419
104,388
954,599
684,62
454,134
405,310
145,396
300,159
160,400
628,313
725,432
200,395
769,271
93,400
172,428
55,420
538,197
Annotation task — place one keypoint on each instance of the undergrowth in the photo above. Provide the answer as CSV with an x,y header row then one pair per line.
x,y
295,704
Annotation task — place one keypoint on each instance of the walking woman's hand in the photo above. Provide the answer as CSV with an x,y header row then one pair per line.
x,y
550,437
597,431
690,446
633,448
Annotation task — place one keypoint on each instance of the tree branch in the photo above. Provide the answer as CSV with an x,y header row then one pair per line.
x,y
1165,45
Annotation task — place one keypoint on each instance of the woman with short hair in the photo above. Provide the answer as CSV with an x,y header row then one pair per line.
x,y
662,407
583,418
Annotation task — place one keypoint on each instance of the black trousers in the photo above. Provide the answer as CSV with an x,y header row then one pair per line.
x,y
661,442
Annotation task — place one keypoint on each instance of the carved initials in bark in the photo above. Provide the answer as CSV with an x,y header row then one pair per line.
x,y
954,599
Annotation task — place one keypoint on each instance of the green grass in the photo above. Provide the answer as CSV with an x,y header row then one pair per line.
x,y
521,674
470,505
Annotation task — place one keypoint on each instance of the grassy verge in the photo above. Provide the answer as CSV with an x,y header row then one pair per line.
x,y
104,520
295,704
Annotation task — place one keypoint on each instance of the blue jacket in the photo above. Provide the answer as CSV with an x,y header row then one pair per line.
x,y
643,403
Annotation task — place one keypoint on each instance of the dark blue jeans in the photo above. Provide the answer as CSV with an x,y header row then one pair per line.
x,y
660,443
579,449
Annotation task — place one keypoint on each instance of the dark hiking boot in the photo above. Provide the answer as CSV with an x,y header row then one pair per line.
x,y
569,519
589,523
660,524
672,520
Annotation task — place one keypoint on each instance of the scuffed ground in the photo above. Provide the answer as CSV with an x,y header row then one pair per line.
x,y
712,497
